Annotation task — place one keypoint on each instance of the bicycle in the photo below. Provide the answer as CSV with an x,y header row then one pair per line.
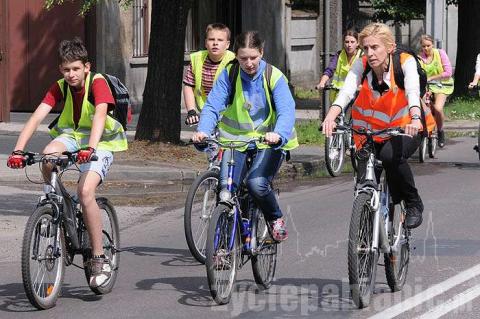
x,y
375,227
429,142
237,233
56,232
337,144
476,148
200,202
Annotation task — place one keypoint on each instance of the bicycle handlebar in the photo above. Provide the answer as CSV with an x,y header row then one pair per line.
x,y
231,144
64,160
330,87
392,131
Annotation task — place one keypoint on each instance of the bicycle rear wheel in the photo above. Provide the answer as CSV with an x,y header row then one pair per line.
x,y
199,205
221,260
111,244
396,263
422,149
264,261
334,154
43,253
362,259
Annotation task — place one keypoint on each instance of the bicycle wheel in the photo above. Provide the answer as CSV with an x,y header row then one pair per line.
x,y
362,259
432,144
264,261
221,260
422,149
111,244
199,205
478,141
334,154
396,263
43,253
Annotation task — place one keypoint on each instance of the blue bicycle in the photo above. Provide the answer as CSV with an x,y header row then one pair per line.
x,y
237,233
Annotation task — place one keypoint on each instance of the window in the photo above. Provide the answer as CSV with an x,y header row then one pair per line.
x,y
140,28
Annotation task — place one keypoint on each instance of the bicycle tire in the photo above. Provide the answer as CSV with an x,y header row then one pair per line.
x,y
396,263
478,141
264,261
422,149
334,154
40,235
361,285
111,244
219,260
207,198
432,144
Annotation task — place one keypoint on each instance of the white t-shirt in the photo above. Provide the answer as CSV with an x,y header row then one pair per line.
x,y
477,65
354,76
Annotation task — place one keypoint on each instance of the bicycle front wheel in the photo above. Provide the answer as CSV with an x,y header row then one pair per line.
x,y
362,258
334,154
43,253
111,245
422,150
199,205
432,144
264,261
222,259
396,263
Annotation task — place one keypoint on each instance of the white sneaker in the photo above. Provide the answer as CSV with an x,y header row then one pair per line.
x,y
101,270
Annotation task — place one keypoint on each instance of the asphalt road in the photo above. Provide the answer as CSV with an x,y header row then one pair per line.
x,y
159,279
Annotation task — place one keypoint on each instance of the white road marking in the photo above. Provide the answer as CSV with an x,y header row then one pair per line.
x,y
429,293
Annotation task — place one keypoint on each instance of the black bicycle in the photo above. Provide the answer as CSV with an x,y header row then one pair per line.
x,y
56,232
237,233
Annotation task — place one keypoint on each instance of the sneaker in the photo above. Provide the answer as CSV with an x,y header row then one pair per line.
x,y
101,270
414,216
278,230
441,138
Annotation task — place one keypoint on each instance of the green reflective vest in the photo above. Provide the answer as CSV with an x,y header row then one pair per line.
x,y
434,68
197,60
113,138
341,71
236,123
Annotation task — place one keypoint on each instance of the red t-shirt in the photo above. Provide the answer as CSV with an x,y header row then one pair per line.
x,y
100,92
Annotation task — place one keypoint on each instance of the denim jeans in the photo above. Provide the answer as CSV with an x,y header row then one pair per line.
x,y
258,178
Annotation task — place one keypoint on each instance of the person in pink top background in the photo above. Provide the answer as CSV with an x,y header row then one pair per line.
x,y
439,73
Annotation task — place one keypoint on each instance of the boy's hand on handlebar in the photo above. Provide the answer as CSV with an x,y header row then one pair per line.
x,y
414,127
85,155
272,138
192,118
16,160
198,137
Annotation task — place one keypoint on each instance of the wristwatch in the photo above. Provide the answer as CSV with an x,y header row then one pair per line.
x,y
415,117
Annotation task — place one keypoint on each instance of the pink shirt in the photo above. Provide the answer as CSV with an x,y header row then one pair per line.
x,y
447,66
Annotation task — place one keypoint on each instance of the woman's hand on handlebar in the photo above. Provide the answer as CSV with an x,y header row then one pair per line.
x,y
198,137
272,138
414,127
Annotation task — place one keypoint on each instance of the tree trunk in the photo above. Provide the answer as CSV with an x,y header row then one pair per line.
x,y
160,115
468,45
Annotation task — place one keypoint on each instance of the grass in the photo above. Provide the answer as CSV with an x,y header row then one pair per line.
x,y
306,94
463,108
308,133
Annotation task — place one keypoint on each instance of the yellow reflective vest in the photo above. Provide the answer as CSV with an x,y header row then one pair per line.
x,y
113,138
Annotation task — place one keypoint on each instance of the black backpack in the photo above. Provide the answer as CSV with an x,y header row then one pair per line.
x,y
233,76
120,95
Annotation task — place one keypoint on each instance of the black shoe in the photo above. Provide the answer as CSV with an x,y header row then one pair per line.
x,y
441,138
414,217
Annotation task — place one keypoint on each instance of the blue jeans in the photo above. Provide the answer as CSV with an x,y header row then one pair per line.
x,y
258,178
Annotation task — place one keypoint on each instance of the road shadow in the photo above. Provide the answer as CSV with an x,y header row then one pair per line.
x,y
176,257
13,298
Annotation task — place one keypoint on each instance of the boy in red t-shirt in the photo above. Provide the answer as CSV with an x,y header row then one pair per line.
x,y
83,126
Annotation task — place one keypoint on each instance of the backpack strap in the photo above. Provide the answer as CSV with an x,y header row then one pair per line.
x,y
268,77
232,79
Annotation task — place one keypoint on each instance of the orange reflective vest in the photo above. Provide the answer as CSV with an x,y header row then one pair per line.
x,y
389,110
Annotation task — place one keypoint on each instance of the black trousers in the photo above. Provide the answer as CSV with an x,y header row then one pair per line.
x,y
394,154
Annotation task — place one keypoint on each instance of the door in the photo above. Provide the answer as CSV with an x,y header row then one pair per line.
x,y
4,111
33,38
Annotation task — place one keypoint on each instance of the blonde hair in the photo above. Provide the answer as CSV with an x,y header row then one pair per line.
x,y
427,37
379,30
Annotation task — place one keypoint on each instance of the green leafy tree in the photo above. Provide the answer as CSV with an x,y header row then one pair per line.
x,y
160,115
400,11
